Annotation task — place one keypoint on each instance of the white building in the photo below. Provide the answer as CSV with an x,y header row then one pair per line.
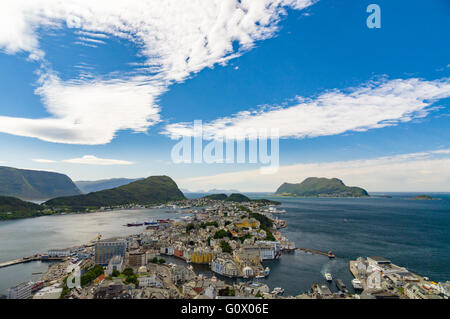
x,y
268,249
149,281
59,253
374,281
21,291
116,263
444,288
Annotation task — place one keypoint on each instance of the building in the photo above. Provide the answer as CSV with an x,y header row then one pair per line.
x,y
21,291
149,281
50,292
137,259
116,263
376,260
202,256
444,288
181,274
59,253
374,281
107,249
268,249
224,266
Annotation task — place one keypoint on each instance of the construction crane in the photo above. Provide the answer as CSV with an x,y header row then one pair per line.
x,y
97,248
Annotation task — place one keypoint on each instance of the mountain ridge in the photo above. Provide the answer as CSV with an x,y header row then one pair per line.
x,y
34,184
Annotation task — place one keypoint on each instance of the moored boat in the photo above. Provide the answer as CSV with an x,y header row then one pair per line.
x,y
328,277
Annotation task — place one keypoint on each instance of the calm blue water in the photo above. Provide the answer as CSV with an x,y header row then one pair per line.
x,y
412,233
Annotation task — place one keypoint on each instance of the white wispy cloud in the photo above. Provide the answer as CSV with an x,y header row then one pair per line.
x,y
177,37
43,160
422,172
93,160
375,105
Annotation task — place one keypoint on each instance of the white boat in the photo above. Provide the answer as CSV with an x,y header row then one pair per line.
x,y
278,291
356,283
328,276
267,271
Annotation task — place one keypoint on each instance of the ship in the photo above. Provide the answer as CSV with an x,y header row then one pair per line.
x,y
356,283
151,223
341,286
328,277
135,224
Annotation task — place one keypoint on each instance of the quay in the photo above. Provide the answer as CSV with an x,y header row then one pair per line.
x,y
317,252
28,259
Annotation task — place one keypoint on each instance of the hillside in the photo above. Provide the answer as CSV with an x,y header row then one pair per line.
x,y
320,187
13,208
216,197
239,198
95,186
36,185
151,190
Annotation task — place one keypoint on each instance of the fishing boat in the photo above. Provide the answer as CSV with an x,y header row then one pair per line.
x,y
328,277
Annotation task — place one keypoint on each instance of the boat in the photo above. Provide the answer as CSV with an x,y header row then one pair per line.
x,y
356,283
135,224
278,291
330,254
267,271
260,276
328,277
341,286
151,223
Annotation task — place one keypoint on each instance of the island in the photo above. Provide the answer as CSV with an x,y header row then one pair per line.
x,y
320,187
422,197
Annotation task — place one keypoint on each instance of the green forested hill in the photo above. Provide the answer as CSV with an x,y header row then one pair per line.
x,y
320,187
13,208
151,190
31,184
95,186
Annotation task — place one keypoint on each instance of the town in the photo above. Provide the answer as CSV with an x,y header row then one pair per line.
x,y
232,239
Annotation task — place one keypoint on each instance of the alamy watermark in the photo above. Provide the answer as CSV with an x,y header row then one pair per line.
x,y
374,19
230,146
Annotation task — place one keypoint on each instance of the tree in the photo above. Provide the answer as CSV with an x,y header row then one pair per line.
x,y
128,272
162,261
226,248
115,273
155,260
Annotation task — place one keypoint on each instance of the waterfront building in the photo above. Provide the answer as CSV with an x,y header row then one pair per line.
x,y
202,255
181,274
59,253
21,291
116,263
224,266
107,249
268,249
149,281
376,260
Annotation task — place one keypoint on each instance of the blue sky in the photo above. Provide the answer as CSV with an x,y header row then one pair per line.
x,y
73,68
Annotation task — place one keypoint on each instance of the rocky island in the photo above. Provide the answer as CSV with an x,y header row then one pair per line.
x,y
320,187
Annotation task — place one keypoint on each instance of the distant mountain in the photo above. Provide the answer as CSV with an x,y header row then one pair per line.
x,y
12,208
95,186
222,191
320,187
151,190
35,185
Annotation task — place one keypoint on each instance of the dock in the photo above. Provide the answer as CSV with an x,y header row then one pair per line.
x,y
317,252
28,259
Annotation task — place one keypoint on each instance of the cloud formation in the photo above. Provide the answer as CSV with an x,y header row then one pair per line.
x,y
93,160
421,172
375,105
177,38
43,160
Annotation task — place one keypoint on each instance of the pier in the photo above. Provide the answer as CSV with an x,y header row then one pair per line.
x,y
317,252
28,259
